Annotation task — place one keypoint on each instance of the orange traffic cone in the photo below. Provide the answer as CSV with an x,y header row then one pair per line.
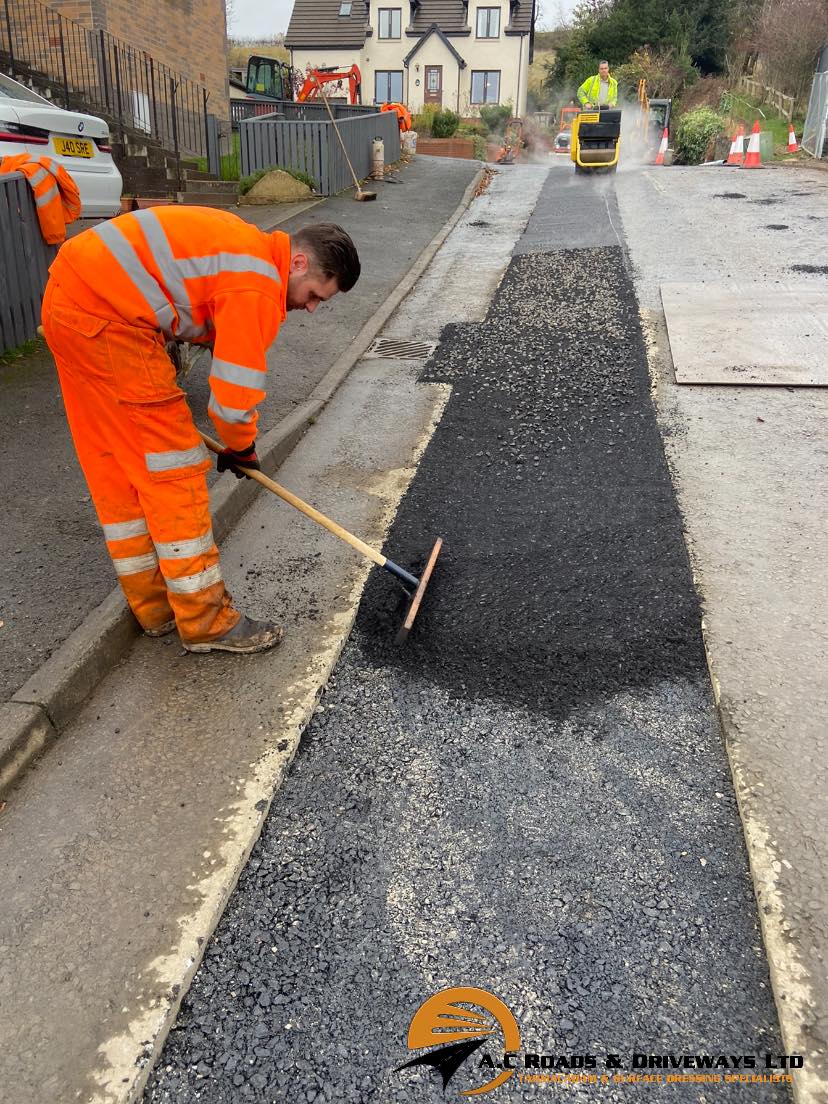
x,y
737,147
662,149
753,159
792,143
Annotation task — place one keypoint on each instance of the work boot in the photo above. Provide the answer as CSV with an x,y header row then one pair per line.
x,y
246,636
162,630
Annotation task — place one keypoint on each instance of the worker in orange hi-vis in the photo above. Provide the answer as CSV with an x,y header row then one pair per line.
x,y
116,295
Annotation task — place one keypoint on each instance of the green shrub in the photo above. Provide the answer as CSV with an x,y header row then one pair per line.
x,y
479,147
494,117
247,182
302,177
695,131
666,72
444,124
471,130
423,119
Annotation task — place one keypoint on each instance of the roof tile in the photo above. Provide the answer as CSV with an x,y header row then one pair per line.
x,y
317,23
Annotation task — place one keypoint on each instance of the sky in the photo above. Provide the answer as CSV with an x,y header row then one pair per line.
x,y
265,18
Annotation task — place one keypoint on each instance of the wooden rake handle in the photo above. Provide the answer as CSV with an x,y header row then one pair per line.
x,y
306,509
339,136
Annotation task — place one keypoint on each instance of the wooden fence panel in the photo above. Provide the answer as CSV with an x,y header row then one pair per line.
x,y
310,145
24,262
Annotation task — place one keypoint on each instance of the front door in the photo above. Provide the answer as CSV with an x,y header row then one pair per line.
x,y
434,85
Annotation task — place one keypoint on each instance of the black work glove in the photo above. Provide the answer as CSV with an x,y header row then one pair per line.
x,y
228,460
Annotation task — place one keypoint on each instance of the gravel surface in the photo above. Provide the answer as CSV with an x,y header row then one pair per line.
x,y
532,797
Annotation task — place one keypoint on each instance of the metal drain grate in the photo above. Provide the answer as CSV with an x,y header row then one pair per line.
x,y
392,348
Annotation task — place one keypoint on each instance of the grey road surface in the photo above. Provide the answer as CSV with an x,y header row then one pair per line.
x,y
750,468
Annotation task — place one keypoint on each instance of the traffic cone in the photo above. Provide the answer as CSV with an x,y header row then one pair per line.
x,y
792,143
737,147
662,149
753,159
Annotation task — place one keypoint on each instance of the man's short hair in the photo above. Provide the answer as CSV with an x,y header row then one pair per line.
x,y
332,252
604,62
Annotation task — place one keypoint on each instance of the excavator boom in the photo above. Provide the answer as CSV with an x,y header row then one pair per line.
x,y
317,77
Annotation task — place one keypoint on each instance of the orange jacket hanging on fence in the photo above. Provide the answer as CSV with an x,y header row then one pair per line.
x,y
56,194
195,274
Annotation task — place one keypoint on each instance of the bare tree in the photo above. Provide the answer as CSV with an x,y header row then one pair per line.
x,y
790,35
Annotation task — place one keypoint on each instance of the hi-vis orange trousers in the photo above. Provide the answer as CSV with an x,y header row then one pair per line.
x,y
144,463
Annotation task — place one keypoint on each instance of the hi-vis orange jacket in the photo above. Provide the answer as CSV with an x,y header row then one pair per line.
x,y
195,274
56,194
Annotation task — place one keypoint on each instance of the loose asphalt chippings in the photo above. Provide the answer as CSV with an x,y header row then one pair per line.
x,y
532,797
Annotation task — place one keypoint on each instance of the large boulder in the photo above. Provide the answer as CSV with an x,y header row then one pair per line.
x,y
277,186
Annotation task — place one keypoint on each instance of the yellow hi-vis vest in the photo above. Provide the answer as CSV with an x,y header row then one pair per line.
x,y
590,90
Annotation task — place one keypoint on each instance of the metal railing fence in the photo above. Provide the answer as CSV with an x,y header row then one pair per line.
x,y
97,71
815,132
24,262
311,146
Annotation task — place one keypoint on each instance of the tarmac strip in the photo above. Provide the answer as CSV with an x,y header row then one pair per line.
x,y
532,797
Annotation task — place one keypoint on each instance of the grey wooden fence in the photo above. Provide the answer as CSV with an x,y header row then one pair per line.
x,y
249,109
311,146
24,262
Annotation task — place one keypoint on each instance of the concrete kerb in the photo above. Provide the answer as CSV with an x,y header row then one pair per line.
x,y
43,707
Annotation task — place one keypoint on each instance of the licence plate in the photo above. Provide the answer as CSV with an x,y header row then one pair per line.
x,y
73,147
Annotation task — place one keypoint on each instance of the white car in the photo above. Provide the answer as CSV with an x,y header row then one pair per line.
x,y
79,143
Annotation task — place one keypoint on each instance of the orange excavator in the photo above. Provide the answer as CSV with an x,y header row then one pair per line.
x,y
270,78
316,77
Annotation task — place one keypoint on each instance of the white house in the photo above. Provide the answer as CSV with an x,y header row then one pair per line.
x,y
459,54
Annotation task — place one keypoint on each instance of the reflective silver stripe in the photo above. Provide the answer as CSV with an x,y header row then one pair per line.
x,y
190,584
238,374
128,259
131,565
51,168
183,550
39,177
229,414
169,266
192,268
169,461
47,197
121,530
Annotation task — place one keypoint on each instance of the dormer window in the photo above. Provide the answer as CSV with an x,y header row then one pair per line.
x,y
345,7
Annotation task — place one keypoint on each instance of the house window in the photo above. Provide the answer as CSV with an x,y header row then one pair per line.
x,y
388,86
390,22
345,7
485,86
488,22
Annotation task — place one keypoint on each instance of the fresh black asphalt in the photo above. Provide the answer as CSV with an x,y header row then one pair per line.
x,y
532,797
